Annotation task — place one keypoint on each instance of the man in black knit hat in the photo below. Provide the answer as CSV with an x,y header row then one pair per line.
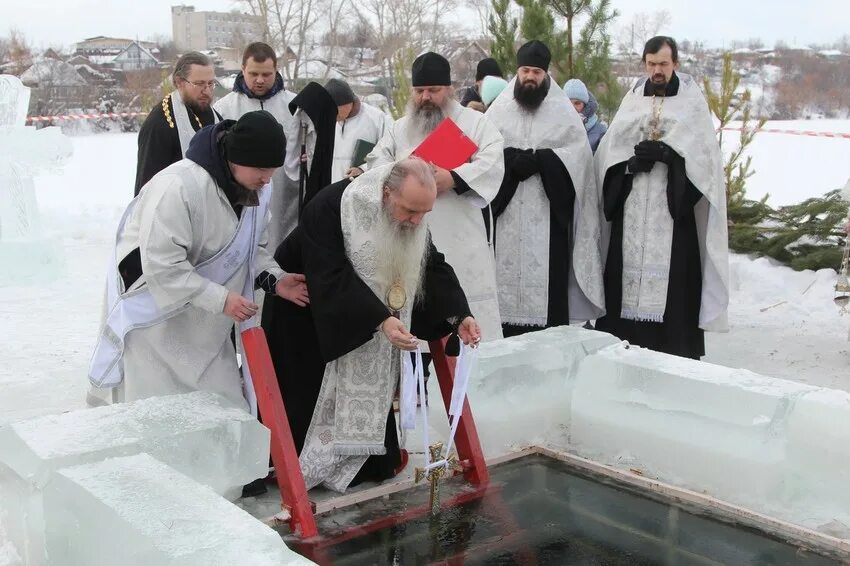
x,y
190,252
358,125
488,67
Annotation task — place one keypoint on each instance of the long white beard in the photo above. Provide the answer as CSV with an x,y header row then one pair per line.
x,y
398,255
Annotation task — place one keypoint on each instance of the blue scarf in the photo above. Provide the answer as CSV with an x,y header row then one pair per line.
x,y
240,86
589,113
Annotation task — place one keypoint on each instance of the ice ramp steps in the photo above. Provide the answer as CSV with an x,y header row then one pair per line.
x,y
138,511
195,433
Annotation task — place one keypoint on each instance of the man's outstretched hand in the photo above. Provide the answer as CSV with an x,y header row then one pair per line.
x,y
293,288
469,332
398,335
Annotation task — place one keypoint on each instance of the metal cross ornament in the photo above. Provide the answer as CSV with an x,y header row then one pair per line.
x,y
437,473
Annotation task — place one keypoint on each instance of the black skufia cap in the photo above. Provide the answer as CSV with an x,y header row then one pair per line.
x,y
431,69
488,67
534,54
256,140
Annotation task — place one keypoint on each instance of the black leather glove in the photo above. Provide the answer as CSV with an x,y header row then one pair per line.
x,y
636,165
524,165
654,151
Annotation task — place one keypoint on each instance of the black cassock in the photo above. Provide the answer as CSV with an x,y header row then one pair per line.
x,y
343,315
159,142
559,189
680,333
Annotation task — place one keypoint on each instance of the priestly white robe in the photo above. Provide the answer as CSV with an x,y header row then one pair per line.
x,y
370,124
686,126
457,223
284,204
522,238
181,220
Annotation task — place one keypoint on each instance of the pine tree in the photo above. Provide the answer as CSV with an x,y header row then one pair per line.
x,y
401,61
810,234
502,27
538,23
593,57
807,235
727,106
570,10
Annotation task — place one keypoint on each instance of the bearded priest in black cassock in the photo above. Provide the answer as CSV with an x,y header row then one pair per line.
x,y
667,270
362,247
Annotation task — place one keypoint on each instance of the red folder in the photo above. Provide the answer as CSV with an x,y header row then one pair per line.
x,y
447,146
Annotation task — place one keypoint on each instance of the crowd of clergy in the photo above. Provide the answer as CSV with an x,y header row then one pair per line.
x,y
315,216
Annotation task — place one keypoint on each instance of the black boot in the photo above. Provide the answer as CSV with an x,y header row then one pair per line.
x,y
255,488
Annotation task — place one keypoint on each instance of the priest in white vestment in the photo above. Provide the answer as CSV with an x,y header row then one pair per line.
x,y
189,252
357,124
457,222
548,210
660,169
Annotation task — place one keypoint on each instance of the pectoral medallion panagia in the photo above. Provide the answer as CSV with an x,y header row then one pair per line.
x,y
396,297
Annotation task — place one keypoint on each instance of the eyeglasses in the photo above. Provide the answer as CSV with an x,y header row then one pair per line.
x,y
203,85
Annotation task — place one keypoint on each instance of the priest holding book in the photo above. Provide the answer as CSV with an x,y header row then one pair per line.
x,y
468,166
548,209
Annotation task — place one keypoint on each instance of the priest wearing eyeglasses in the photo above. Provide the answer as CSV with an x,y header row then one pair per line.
x,y
171,124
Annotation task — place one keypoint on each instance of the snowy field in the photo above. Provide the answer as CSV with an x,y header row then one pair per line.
x,y
791,168
783,323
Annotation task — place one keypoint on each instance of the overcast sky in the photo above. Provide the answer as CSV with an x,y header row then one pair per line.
x,y
716,22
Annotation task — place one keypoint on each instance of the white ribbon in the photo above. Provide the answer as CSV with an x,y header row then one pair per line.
x,y
412,376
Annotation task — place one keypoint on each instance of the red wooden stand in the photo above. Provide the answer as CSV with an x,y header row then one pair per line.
x,y
293,491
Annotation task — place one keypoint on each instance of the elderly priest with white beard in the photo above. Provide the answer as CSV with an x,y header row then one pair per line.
x,y
377,284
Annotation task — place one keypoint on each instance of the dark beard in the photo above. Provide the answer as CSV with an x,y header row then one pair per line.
x,y
529,95
196,108
659,88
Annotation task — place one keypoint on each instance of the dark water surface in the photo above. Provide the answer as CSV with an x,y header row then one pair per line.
x,y
538,511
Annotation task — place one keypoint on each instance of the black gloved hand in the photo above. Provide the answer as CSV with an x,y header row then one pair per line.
x,y
637,165
524,165
654,151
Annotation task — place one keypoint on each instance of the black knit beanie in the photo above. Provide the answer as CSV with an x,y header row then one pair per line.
x,y
340,92
256,140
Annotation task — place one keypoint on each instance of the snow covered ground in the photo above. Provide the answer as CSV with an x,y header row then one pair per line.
x,y
791,168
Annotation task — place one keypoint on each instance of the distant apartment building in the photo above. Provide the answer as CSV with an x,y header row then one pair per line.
x,y
200,31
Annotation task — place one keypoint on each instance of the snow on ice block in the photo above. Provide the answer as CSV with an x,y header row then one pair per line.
x,y
819,455
196,433
34,261
529,378
136,510
694,424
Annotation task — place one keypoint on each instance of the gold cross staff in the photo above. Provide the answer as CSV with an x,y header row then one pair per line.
x,y
434,475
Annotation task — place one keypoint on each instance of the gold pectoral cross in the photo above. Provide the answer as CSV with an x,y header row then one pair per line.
x,y
434,475
653,129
